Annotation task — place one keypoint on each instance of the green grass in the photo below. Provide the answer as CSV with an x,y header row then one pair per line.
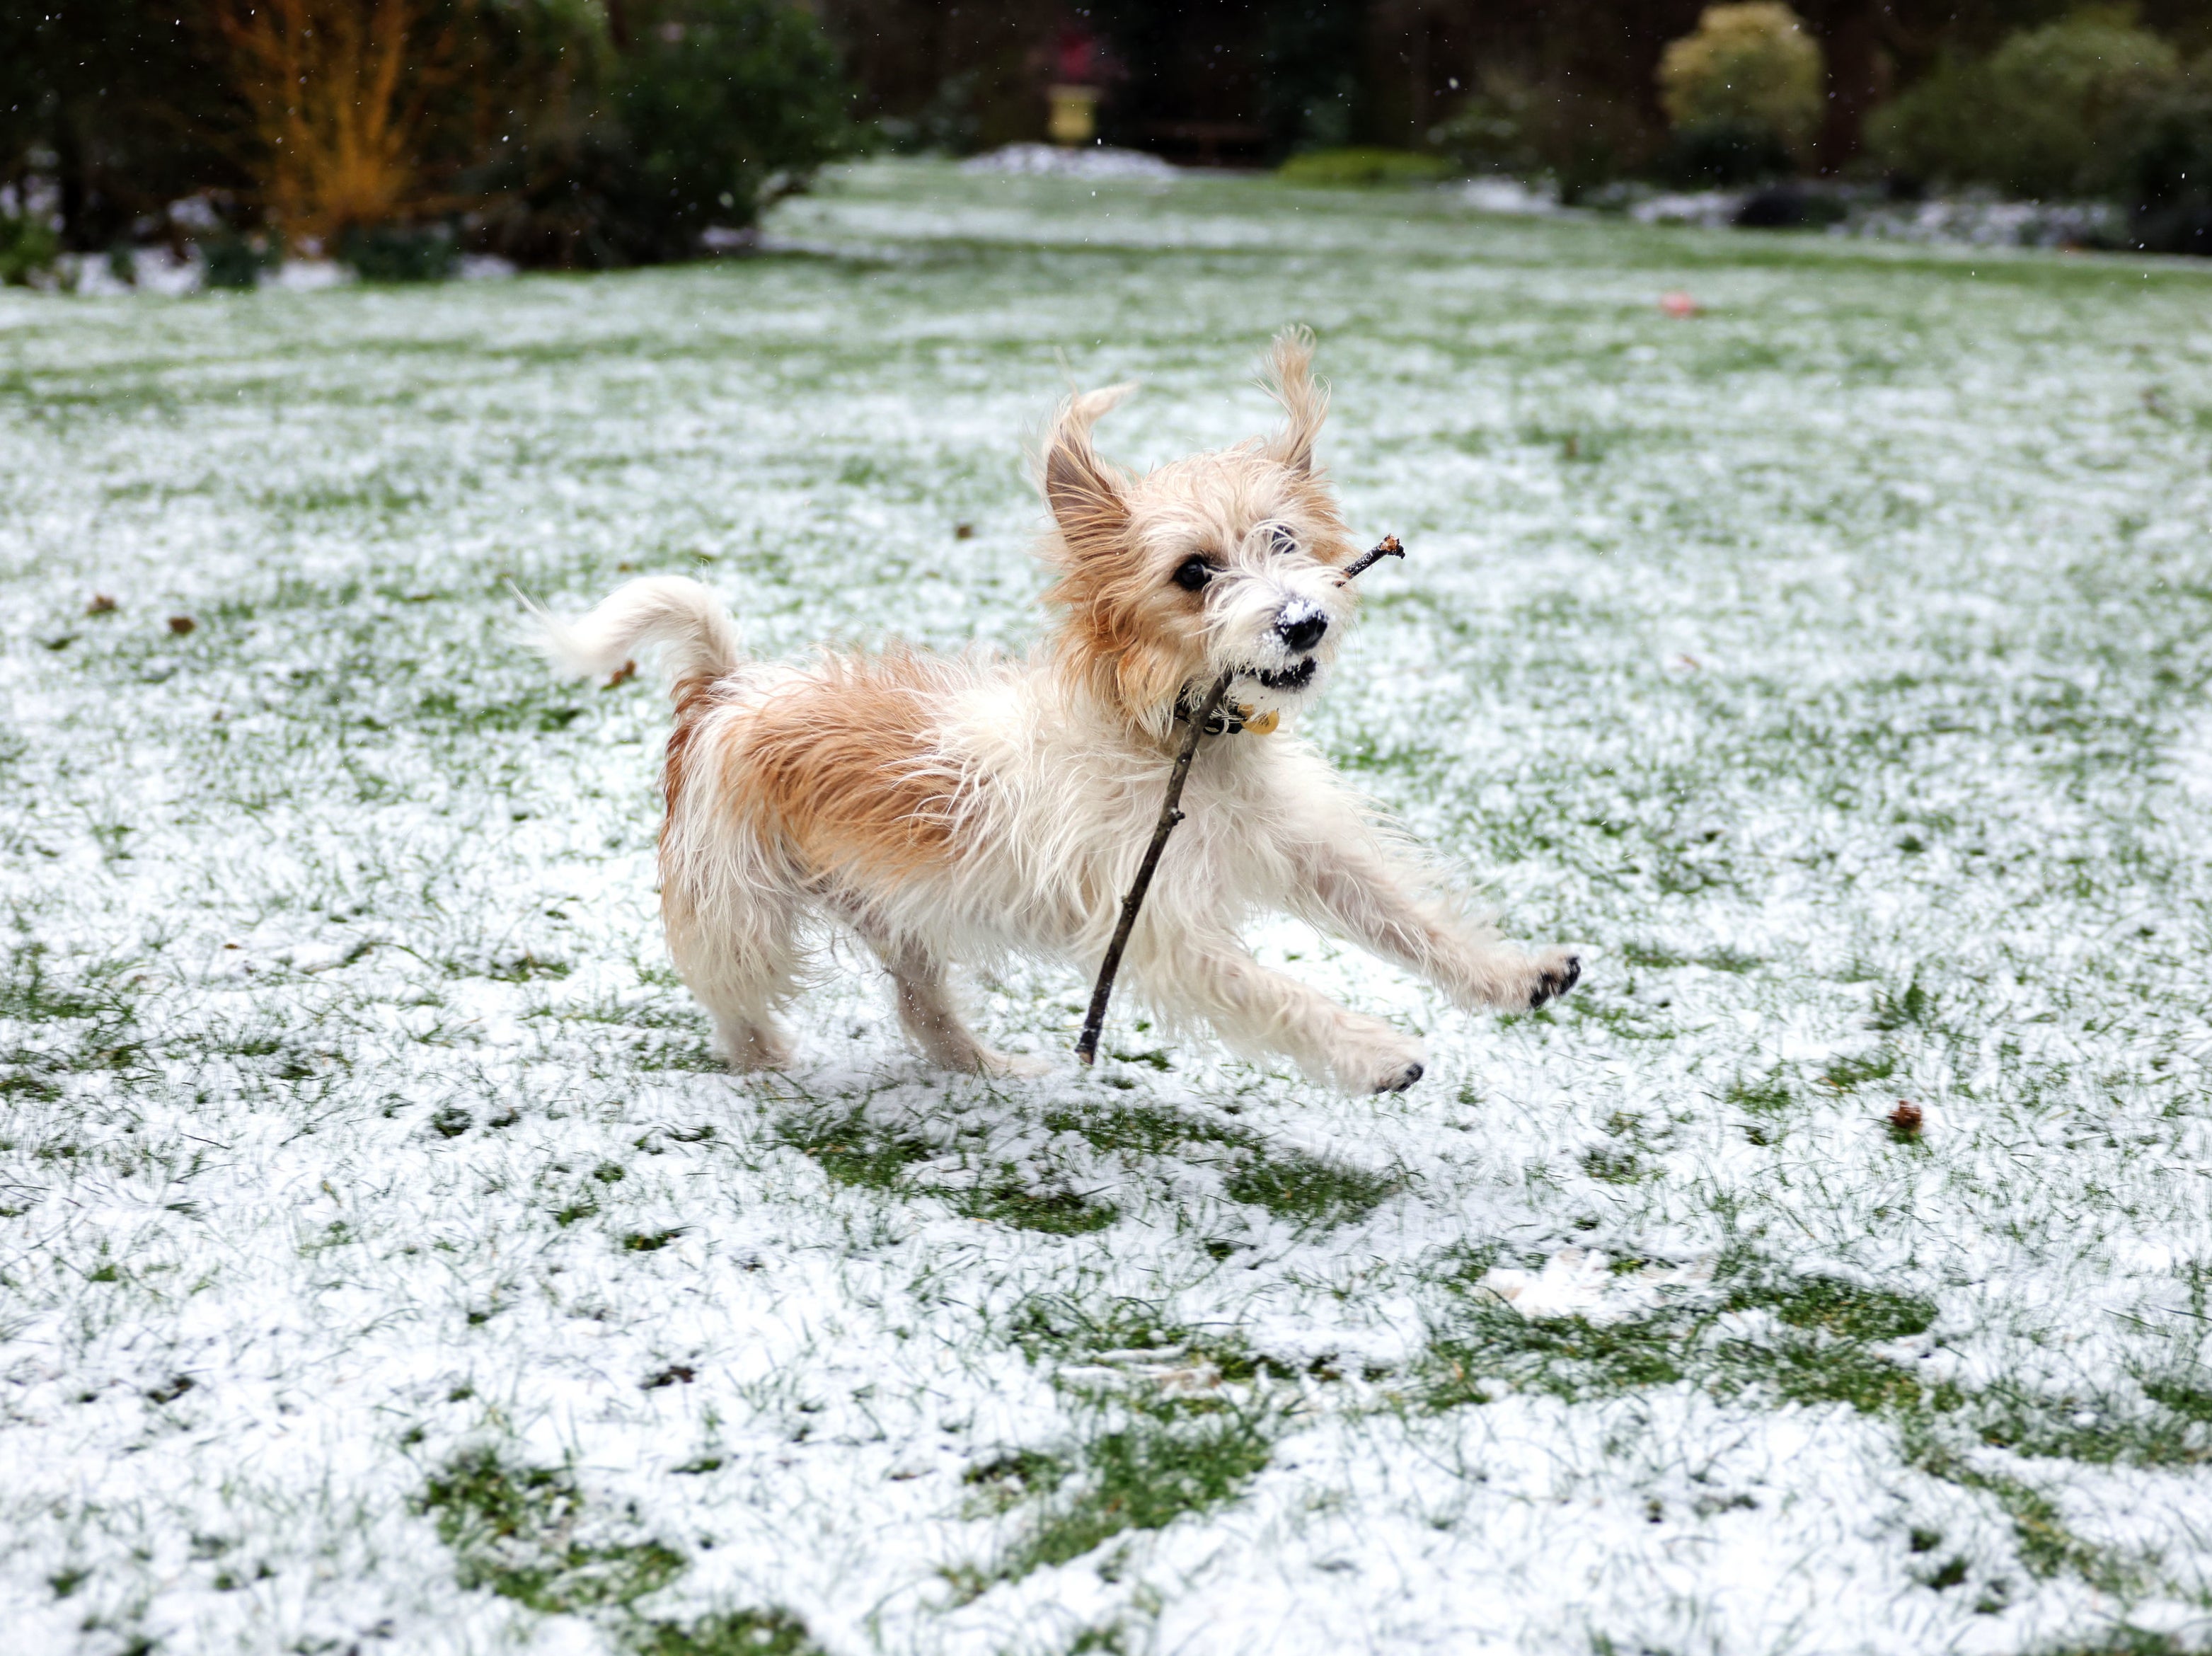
x,y
512,1530
853,1150
1174,1460
1335,169
1056,1213
736,1633
1146,1456
1303,1189
1308,1190
1847,1309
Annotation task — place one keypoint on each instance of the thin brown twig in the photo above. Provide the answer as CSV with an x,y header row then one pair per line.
x,y
1086,1044
1388,548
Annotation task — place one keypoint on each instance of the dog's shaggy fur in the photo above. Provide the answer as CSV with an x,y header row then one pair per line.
x,y
967,809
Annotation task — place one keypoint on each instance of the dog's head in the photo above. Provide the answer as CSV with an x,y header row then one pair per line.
x,y
1222,563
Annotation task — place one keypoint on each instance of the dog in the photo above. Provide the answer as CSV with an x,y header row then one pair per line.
x,y
974,808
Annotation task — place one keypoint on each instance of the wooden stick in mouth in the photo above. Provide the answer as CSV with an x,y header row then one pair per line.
x,y
1086,1044
1388,548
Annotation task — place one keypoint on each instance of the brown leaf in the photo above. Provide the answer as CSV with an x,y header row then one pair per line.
x,y
1904,1122
101,605
181,625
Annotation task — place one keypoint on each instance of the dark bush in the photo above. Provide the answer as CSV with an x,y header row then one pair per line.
x,y
401,252
28,250
945,125
230,260
1788,207
2048,113
712,110
1509,124
2170,175
111,104
1725,155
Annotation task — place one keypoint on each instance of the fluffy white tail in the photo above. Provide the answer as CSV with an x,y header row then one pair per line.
x,y
695,633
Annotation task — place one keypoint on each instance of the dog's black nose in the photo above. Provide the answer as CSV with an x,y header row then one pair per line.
x,y
1303,630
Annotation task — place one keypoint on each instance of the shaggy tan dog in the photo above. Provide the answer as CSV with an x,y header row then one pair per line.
x,y
972,808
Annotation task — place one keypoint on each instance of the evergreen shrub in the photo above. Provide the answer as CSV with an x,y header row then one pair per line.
x,y
1525,127
2168,183
229,259
400,253
710,111
1744,95
2053,112
1327,168
28,249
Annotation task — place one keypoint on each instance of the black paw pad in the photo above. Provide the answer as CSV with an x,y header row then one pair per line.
x,y
1558,981
1403,1079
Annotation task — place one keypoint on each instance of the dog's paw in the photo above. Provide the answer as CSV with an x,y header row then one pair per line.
x,y
750,1047
1379,1060
1013,1066
1403,1077
1554,971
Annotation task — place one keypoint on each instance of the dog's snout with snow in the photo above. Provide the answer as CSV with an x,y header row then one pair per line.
x,y
1301,623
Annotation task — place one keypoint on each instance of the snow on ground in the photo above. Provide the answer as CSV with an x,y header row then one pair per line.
x,y
385,1266
1093,162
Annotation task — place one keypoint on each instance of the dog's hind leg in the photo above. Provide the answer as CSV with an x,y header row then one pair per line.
x,y
741,963
1258,1011
926,1012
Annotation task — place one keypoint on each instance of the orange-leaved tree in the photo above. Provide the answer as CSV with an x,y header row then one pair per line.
x,y
341,98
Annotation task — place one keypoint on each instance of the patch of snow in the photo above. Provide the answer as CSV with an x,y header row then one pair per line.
x,y
1051,161
1709,209
1500,194
1983,222
1582,1282
309,274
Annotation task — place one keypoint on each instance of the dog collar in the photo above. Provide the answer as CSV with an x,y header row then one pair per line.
x,y
1230,718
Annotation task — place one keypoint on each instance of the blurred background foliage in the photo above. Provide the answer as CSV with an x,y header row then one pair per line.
x,y
2052,112
401,134
1744,93
555,132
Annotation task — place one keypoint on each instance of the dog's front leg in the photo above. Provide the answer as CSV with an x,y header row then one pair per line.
x,y
1361,892
1256,1011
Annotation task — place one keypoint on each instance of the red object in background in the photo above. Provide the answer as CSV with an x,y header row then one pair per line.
x,y
1078,57
1678,304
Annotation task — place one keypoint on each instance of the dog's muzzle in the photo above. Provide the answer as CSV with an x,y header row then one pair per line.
x,y
1229,718
1297,678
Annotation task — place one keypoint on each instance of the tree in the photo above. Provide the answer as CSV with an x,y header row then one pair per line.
x,y
630,154
1750,69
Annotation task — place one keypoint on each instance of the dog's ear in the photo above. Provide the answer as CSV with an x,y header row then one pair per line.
x,y
1084,494
1289,379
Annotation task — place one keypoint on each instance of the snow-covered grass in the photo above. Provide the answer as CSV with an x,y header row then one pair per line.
x,y
385,1266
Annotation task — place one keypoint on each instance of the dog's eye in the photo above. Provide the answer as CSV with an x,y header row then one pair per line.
x,y
1285,542
1193,573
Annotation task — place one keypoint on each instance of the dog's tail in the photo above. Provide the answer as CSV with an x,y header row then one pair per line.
x,y
698,638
